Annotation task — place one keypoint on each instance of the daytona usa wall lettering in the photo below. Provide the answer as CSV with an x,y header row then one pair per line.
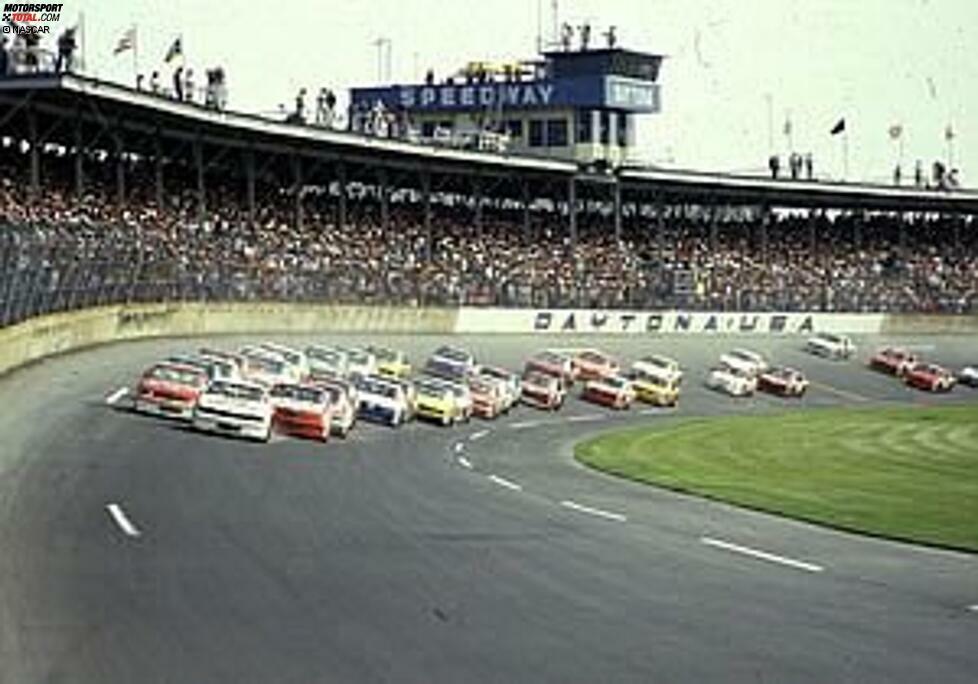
x,y
608,321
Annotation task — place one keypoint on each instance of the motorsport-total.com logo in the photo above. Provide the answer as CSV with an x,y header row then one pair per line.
x,y
26,17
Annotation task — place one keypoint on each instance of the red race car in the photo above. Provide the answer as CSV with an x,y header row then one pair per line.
x,y
614,392
591,364
301,410
542,391
553,364
785,382
930,377
170,389
893,360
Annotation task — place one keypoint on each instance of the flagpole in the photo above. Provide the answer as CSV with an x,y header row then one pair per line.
x,y
135,53
845,155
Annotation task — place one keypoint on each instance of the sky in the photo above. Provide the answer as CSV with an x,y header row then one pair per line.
x,y
736,70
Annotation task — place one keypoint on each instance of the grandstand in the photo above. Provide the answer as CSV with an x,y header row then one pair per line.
x,y
111,194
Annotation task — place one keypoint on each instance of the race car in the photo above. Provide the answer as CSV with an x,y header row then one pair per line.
x,y
662,367
216,369
344,415
733,381
893,361
446,370
410,393
301,410
542,390
830,345
969,376
488,397
437,402
654,389
461,392
930,377
390,362
293,357
267,368
232,358
785,382
552,363
511,384
170,389
614,392
238,408
455,356
744,360
359,362
592,364
381,400
326,361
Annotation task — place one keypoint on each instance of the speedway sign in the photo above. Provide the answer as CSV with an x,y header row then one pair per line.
x,y
570,321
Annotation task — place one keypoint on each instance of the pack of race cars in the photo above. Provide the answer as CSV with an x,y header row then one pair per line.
x,y
322,391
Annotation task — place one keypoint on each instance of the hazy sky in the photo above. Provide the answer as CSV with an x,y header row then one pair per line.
x,y
875,62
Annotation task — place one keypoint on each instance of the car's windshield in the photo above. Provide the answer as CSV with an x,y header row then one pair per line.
x,y
298,393
185,376
235,391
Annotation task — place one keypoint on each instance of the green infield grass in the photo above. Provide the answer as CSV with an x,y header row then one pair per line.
x,y
906,473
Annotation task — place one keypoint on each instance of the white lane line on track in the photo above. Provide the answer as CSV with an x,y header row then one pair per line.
x,y
525,424
116,396
656,411
478,435
508,484
122,520
845,394
459,447
607,515
464,462
761,555
589,418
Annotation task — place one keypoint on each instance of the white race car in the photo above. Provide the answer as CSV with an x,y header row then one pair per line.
x,y
744,360
266,367
342,399
359,362
326,361
733,381
511,384
968,376
614,392
293,357
830,345
661,367
454,356
235,408
381,400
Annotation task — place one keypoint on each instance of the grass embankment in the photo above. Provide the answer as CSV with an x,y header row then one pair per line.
x,y
906,473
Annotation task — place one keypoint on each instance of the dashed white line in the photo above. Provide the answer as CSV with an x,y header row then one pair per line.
x,y
478,435
656,411
508,484
762,555
973,608
120,518
116,396
608,515
459,447
585,419
525,424
464,462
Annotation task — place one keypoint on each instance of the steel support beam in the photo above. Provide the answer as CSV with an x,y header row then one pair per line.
x,y
572,209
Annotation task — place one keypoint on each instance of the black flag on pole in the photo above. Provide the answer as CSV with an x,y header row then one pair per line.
x,y
839,126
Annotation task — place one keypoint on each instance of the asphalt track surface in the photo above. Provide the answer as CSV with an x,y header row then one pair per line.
x,y
133,550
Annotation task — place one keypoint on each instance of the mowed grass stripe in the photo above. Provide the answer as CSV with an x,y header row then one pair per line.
x,y
908,473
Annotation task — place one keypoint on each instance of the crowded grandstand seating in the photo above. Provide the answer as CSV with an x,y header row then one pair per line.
x,y
61,251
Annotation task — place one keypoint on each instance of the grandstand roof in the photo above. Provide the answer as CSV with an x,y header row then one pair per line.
x,y
58,100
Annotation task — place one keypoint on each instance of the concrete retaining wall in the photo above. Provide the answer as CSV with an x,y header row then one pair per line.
x,y
58,333
929,324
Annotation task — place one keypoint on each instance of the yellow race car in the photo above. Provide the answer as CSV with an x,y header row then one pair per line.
x,y
436,402
654,390
391,362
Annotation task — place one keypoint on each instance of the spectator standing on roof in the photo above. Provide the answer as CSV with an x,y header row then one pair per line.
x,y
154,83
188,85
178,83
